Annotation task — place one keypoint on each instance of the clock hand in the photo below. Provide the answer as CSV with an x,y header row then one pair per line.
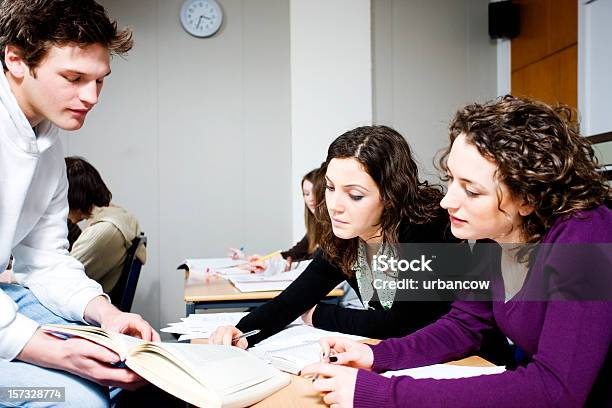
x,y
199,21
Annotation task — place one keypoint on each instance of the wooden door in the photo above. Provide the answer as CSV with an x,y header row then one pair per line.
x,y
544,57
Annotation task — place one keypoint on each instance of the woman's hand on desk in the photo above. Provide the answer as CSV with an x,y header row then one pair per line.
x,y
342,351
225,335
253,265
336,382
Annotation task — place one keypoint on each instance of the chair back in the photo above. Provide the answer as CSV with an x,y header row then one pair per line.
x,y
123,293
602,143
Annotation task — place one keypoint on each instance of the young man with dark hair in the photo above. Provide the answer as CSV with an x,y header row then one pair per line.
x,y
55,55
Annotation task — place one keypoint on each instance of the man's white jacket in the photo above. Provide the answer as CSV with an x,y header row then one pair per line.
x,y
33,213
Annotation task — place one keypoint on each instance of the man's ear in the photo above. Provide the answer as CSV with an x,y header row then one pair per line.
x,y
14,61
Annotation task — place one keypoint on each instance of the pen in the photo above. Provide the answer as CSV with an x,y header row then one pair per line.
x,y
270,255
323,358
247,334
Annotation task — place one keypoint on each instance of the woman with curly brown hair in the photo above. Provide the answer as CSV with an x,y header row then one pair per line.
x,y
373,196
518,173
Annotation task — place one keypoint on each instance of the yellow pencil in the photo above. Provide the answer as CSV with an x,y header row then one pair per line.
x,y
270,255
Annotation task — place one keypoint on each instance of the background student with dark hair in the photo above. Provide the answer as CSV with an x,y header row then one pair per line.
x,y
373,198
102,246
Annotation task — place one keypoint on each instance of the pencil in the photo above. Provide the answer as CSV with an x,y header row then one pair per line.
x,y
270,255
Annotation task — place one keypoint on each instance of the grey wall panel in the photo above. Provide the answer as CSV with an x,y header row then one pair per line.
x,y
193,136
430,58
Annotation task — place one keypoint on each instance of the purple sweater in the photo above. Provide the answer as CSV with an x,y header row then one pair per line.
x,y
567,342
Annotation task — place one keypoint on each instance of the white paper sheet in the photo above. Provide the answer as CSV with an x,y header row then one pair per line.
x,y
295,347
201,264
203,324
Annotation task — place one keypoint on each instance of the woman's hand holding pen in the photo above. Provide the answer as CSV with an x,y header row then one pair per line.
x,y
336,375
235,253
253,264
229,336
343,351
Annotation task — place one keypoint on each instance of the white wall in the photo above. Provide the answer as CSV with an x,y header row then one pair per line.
x,y
192,135
594,62
331,82
430,58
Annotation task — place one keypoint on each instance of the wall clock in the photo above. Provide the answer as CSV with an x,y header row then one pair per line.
x,y
201,18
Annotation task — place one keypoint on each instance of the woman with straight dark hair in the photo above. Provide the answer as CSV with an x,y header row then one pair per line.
x,y
373,201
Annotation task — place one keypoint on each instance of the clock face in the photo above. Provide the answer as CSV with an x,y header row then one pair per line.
x,y
201,18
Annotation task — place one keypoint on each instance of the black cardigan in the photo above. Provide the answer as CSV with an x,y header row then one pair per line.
x,y
320,277
299,251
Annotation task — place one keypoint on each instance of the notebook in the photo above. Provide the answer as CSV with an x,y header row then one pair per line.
x,y
295,347
204,375
263,282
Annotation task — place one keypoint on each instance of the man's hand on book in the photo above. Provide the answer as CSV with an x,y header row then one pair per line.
x,y
130,324
80,357
228,335
101,311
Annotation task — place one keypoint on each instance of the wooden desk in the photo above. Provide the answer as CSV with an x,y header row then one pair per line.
x,y
300,394
216,292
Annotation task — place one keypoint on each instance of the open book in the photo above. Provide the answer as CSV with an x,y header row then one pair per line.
x,y
204,375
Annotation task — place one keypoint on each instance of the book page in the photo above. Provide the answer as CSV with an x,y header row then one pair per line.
x,y
92,333
206,375
163,370
224,369
445,371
